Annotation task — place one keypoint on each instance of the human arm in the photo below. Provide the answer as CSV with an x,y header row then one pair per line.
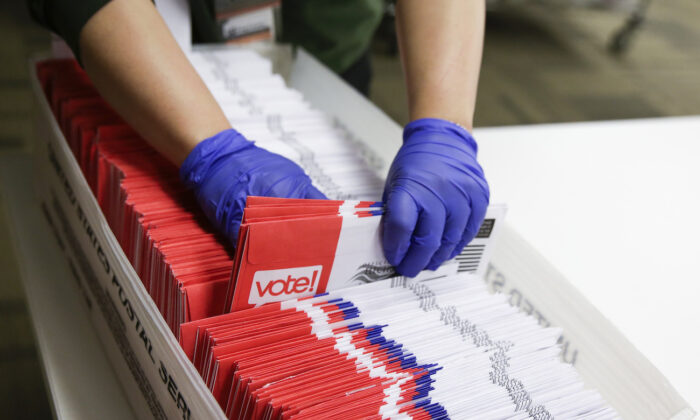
x,y
436,193
441,43
136,65
138,68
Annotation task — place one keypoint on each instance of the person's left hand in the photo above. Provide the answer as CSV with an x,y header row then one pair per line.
x,y
435,195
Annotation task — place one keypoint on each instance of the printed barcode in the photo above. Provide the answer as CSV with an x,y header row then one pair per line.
x,y
470,257
486,228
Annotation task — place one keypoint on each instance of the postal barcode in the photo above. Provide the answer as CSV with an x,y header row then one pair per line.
x,y
470,258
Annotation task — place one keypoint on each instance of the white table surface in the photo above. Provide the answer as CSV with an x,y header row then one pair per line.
x,y
79,378
615,207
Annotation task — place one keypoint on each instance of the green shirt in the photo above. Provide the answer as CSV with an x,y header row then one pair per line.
x,y
337,32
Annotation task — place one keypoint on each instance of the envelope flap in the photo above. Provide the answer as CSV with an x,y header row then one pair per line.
x,y
293,240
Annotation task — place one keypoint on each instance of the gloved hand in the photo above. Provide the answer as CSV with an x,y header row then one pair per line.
x,y
436,196
226,168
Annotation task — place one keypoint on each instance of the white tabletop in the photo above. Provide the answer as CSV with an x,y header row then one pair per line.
x,y
615,207
78,376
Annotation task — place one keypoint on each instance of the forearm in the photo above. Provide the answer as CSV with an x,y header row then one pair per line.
x,y
441,43
133,60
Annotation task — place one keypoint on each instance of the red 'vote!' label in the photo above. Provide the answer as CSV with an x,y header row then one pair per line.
x,y
289,286
283,284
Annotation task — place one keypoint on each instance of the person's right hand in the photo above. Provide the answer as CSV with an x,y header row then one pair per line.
x,y
226,168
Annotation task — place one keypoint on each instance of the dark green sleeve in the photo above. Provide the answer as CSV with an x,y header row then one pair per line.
x,y
65,17
336,32
205,30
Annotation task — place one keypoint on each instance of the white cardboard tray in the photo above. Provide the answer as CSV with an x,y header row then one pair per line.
x,y
155,374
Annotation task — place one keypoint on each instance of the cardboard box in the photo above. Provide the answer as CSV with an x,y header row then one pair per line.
x,y
159,380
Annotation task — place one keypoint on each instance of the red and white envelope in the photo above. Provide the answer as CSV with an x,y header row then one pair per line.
x,y
184,265
291,248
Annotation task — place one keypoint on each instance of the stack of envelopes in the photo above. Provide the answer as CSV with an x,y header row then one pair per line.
x,y
290,248
184,265
398,348
306,319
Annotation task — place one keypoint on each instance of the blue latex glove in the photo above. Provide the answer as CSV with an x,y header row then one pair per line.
x,y
225,169
436,196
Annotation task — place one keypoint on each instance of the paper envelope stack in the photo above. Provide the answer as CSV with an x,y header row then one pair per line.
x,y
396,348
334,340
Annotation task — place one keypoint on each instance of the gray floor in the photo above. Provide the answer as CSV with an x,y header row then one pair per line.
x,y
540,65
552,65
